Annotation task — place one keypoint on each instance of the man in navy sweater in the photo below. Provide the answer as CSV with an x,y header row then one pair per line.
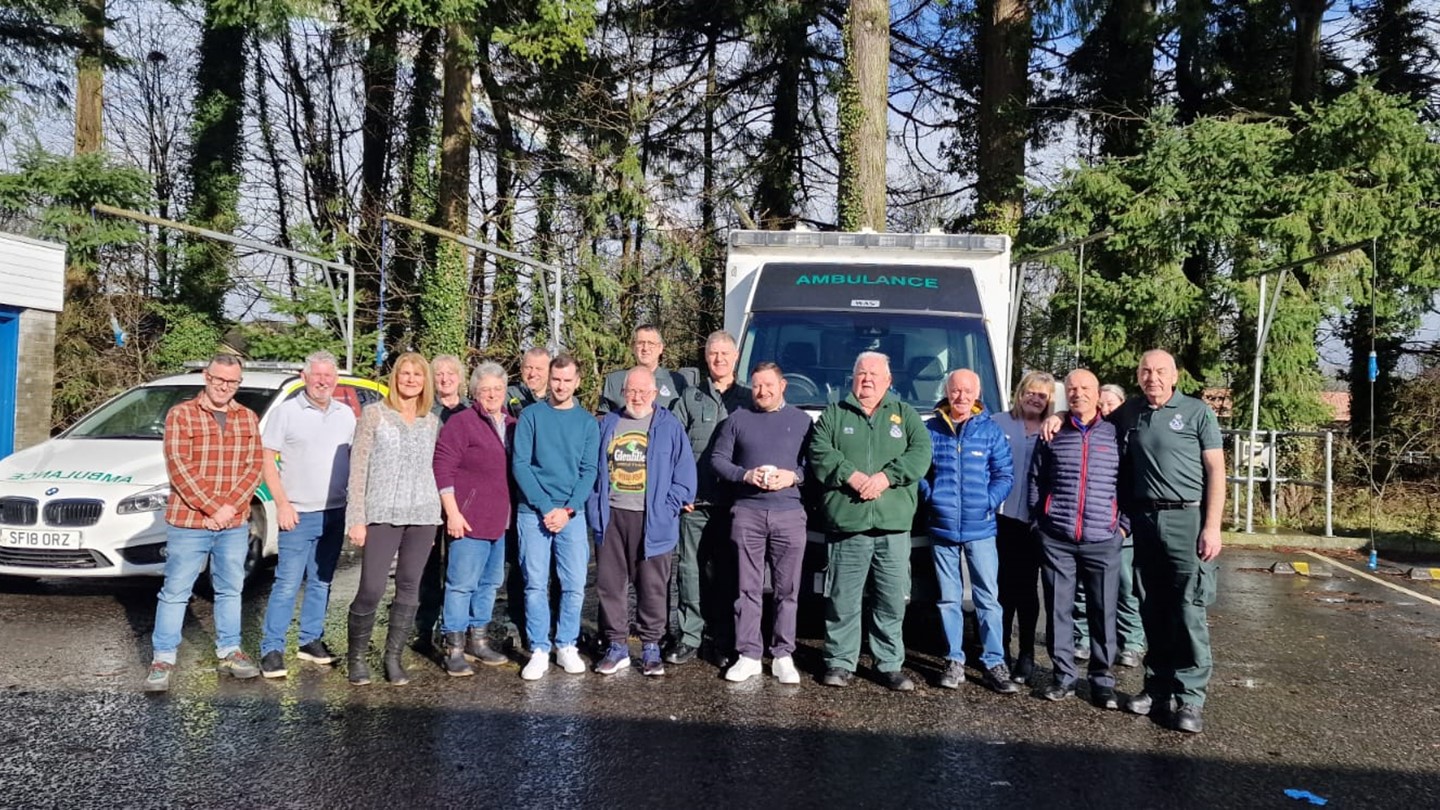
x,y
761,452
1074,504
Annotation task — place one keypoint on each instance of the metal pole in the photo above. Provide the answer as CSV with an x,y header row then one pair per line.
x,y
1274,476
350,321
1254,412
1329,483
380,309
1235,480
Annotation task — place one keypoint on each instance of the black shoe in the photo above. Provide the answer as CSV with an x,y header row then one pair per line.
x,y
402,624
998,679
897,681
1058,690
1188,720
1024,668
477,648
272,664
360,626
1131,658
837,677
455,663
680,653
1104,697
316,653
1141,703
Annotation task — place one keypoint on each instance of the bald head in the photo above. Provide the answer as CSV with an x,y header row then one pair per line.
x,y
639,392
1082,394
1157,376
962,391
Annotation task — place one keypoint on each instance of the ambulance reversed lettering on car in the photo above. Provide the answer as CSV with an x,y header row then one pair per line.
x,y
91,501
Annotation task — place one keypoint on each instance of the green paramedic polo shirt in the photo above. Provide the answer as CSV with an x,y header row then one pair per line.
x,y
1163,447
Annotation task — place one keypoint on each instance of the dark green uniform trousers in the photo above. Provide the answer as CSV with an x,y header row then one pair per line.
x,y
705,580
1178,590
852,560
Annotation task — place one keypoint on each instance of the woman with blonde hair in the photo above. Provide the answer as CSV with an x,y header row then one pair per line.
x,y
393,508
1019,550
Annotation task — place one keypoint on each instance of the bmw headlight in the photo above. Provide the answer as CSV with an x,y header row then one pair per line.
x,y
151,500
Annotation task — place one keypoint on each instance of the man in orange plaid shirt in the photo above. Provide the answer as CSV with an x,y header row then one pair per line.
x,y
214,456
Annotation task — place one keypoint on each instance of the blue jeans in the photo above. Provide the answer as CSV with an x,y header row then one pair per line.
x,y
571,549
984,564
186,551
474,573
308,552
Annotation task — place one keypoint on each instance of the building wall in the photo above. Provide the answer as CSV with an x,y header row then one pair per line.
x,y
35,382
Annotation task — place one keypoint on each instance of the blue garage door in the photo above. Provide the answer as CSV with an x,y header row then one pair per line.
x,y
9,366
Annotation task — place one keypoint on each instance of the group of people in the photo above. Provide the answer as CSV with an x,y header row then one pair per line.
x,y
721,481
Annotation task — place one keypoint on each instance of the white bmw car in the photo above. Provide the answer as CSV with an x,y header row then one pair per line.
x,y
91,501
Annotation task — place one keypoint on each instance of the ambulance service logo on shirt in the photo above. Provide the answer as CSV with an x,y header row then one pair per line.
x,y
1178,423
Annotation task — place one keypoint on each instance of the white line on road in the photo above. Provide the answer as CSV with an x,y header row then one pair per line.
x,y
1392,586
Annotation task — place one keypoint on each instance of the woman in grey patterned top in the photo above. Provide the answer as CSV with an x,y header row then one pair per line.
x,y
393,507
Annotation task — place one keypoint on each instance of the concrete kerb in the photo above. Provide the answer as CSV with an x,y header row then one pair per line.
x,y
1315,541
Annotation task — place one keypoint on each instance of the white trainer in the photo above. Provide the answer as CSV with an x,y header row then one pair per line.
x,y
743,669
784,670
569,660
537,666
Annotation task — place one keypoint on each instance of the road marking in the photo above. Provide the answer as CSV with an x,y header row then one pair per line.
x,y
1392,586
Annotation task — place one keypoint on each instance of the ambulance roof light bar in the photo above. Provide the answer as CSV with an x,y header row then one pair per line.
x,y
972,243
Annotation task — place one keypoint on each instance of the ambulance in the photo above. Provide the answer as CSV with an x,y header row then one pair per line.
x,y
91,501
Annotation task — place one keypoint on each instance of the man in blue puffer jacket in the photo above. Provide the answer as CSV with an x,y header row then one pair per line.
x,y
1073,502
970,476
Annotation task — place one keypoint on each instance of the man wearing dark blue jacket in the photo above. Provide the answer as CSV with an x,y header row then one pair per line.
x,y
970,476
647,474
1074,503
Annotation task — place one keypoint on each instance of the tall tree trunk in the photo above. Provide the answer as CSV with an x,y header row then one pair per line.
x,y
444,289
712,266
379,68
1189,79
779,165
1005,42
216,151
1305,81
863,109
90,80
414,197
505,326
271,149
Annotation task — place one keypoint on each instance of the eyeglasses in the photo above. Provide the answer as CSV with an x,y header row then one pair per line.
x,y
648,344
222,382
637,391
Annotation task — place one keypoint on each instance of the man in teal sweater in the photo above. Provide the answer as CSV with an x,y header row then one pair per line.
x,y
556,446
868,453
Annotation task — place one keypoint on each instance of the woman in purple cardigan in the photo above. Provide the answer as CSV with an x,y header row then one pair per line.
x,y
472,470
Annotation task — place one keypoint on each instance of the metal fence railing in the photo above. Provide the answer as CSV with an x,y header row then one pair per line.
x,y
1260,462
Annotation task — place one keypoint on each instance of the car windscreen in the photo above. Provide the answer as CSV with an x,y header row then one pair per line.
x,y
816,352
140,412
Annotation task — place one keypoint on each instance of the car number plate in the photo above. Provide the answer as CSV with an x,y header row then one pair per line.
x,y
39,538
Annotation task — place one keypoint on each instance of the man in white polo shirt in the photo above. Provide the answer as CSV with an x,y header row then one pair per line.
x,y
311,434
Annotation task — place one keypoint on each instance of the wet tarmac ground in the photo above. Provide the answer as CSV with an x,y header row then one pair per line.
x,y
1331,686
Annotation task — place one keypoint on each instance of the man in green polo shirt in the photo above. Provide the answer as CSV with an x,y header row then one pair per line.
x,y
1175,494
868,452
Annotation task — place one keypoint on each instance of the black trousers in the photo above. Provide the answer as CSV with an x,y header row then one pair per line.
x,y
619,561
1019,551
1098,566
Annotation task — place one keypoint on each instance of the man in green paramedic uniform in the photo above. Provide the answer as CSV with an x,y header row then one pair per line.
x,y
1175,492
868,453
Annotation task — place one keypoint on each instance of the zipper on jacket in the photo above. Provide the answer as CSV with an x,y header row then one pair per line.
x,y
1084,485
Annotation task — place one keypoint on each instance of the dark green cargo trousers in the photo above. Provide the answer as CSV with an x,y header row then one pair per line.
x,y
1179,589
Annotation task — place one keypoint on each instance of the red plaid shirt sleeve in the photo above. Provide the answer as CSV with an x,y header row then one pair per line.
x,y
209,467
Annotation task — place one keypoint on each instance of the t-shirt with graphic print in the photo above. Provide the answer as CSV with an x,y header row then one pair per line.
x,y
626,460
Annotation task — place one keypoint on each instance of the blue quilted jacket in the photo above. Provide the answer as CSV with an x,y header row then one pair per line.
x,y
1074,483
970,475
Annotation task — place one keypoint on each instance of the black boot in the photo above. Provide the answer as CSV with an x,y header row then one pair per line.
x,y
478,648
361,625
402,624
455,663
